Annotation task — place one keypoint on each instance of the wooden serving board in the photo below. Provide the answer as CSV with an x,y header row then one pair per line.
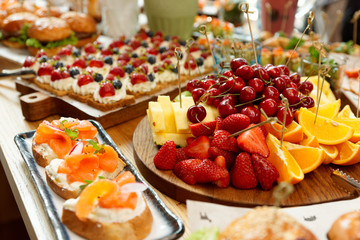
x,y
37,104
317,187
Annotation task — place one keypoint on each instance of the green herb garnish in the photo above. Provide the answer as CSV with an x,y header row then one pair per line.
x,y
82,187
98,149
71,133
32,42
292,43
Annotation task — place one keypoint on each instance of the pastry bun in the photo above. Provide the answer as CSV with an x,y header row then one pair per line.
x,y
266,223
346,227
49,29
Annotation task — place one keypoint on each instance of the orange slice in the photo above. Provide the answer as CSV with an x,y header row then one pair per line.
x,y
293,132
90,195
349,154
331,153
283,161
327,131
353,123
310,141
346,112
308,158
328,110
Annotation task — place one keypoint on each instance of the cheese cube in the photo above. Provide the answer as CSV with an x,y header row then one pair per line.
x,y
156,117
178,138
181,120
169,117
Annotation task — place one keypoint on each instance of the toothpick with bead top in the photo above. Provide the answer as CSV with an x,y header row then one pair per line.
x,y
324,70
178,57
244,7
310,20
286,102
202,30
189,42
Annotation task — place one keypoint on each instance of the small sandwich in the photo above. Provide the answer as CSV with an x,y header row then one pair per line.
x,y
56,139
15,28
50,34
83,25
86,162
110,210
346,227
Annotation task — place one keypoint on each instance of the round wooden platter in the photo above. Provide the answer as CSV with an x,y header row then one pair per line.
x,y
317,187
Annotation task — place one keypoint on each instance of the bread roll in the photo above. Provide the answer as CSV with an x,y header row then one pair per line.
x,y
346,227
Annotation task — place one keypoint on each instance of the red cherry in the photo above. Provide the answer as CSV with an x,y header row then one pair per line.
x,y
79,62
252,112
29,61
45,69
307,102
245,72
274,72
197,93
306,87
267,66
192,84
295,78
107,90
237,87
216,102
281,114
247,94
117,71
227,85
96,63
257,84
284,69
236,63
212,93
207,83
226,108
271,92
262,74
286,78
232,98
279,83
89,48
292,85
228,73
196,113
269,106
292,95
84,79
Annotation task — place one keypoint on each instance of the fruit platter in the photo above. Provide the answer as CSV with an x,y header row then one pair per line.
x,y
226,144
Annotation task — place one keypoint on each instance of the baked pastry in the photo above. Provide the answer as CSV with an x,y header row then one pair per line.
x,y
56,139
109,210
86,161
346,227
266,223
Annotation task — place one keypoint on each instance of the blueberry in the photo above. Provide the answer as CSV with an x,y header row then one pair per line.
x,y
174,69
129,68
58,64
90,57
74,71
144,44
100,47
98,77
115,51
108,60
167,38
200,61
182,42
151,59
43,59
76,52
151,77
134,55
117,84
127,41
162,49
150,34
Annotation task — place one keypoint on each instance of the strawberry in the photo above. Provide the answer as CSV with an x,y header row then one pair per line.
x,y
219,121
189,140
235,122
152,51
125,57
78,62
208,171
198,148
136,62
135,44
265,171
136,78
242,174
185,170
65,74
181,154
107,90
202,129
96,63
89,48
65,51
84,79
45,69
117,71
191,63
29,61
253,141
40,53
56,75
116,44
165,158
106,52
220,161
214,152
221,140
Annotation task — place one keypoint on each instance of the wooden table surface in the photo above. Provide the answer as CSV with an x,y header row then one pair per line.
x,y
12,122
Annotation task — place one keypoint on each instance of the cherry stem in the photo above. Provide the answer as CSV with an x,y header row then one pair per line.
x,y
256,99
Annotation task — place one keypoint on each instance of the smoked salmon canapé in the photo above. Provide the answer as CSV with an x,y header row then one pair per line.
x,y
110,209
55,139
86,162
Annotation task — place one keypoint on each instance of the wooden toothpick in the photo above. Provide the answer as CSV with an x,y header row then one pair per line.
x,y
202,30
286,102
354,20
324,70
178,57
245,8
189,42
310,20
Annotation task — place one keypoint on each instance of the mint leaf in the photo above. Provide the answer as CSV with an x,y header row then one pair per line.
x,y
314,53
